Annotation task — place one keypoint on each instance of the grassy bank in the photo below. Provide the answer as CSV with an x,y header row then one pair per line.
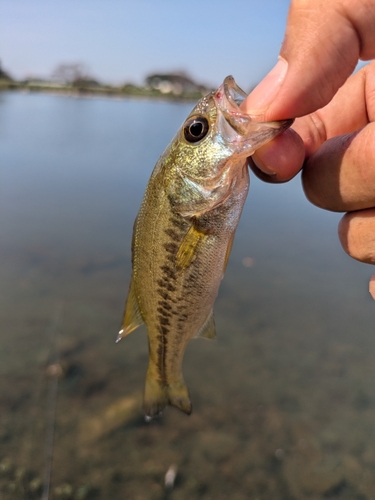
x,y
98,90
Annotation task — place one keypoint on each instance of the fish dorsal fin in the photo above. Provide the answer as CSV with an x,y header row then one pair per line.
x,y
208,329
189,247
228,251
132,315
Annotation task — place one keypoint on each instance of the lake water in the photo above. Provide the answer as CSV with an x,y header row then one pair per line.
x,y
283,401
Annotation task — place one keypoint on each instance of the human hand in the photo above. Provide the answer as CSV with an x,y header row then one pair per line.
x,y
333,139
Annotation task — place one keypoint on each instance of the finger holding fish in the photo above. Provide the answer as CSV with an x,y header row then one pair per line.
x,y
280,159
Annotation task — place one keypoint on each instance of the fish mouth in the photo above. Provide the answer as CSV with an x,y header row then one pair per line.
x,y
238,129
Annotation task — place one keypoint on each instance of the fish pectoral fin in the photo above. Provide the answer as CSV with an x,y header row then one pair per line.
x,y
189,247
208,330
132,315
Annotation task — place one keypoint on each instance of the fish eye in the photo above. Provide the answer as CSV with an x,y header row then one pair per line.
x,y
196,129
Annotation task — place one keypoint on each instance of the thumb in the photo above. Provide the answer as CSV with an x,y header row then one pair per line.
x,y
323,42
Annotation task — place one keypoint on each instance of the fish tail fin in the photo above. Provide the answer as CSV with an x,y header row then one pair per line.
x,y
155,397
178,396
158,395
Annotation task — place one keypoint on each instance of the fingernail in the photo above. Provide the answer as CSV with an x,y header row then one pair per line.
x,y
265,92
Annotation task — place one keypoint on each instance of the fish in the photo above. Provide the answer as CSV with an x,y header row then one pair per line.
x,y
183,235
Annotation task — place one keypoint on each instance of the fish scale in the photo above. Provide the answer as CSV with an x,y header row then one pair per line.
x,y
183,236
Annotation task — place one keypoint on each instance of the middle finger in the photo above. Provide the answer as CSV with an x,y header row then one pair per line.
x,y
340,175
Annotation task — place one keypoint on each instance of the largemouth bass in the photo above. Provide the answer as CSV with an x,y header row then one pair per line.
x,y
183,236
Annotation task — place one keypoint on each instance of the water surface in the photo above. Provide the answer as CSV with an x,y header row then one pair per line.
x,y
284,400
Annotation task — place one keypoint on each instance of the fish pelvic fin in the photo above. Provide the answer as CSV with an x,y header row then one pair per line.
x,y
208,330
158,395
132,315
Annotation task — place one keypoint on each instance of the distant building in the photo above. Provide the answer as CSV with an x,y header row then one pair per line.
x,y
175,83
41,82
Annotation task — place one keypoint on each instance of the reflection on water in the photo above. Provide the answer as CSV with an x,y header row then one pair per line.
x,y
284,400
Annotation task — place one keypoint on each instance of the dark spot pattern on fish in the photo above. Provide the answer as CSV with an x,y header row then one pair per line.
x,y
163,294
172,234
180,223
163,320
161,353
164,304
169,307
164,330
192,281
163,312
168,272
163,283
171,248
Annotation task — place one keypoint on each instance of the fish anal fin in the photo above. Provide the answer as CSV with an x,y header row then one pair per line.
x,y
158,395
132,315
228,251
208,330
189,247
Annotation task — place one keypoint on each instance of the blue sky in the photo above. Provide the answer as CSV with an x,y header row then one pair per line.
x,y
125,40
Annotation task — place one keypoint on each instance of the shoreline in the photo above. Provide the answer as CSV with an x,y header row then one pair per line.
x,y
104,92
